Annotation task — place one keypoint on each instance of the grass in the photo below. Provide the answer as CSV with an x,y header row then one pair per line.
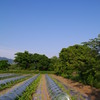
x,y
27,71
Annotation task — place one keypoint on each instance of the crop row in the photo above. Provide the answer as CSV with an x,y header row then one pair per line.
x,y
16,92
4,82
30,90
55,92
4,76
10,84
74,95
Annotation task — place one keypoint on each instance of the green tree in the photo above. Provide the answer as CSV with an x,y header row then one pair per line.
x,y
54,64
40,62
4,64
35,61
78,60
94,44
23,59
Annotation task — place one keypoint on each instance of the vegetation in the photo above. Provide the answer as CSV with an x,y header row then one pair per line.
x,y
2,78
78,62
81,62
4,64
10,61
53,62
12,83
27,95
35,61
27,71
94,44
65,90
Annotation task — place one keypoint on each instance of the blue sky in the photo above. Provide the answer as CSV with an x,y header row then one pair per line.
x,y
46,26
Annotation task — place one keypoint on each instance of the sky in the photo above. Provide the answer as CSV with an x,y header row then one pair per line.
x,y
46,26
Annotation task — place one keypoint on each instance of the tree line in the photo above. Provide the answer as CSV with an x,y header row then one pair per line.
x,y
35,61
79,62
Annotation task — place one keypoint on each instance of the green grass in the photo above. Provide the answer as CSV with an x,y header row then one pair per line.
x,y
27,71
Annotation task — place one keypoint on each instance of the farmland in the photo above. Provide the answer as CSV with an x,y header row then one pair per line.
x,y
74,75
39,87
49,50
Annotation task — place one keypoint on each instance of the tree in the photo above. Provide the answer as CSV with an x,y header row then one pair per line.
x,y
23,59
78,60
4,64
54,63
41,62
32,61
94,44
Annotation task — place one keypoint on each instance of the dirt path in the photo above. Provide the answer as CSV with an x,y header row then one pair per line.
x,y
41,92
83,89
9,89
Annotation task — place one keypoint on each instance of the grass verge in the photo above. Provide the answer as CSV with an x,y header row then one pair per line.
x,y
27,71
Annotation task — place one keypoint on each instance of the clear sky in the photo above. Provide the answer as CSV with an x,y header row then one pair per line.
x,y
46,26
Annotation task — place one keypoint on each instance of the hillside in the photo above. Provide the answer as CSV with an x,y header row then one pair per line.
x,y
9,60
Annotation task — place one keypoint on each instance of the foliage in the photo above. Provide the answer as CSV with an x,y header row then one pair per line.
x,y
32,61
55,64
23,59
40,62
94,44
4,64
78,62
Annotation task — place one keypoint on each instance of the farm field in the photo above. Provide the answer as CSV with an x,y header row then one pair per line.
x,y
44,87
50,50
78,88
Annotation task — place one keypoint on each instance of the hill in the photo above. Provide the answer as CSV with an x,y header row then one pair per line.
x,y
9,60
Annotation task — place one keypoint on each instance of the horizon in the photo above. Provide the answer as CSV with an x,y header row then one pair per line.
x,y
45,27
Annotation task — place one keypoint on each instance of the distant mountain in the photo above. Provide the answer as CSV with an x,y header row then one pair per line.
x,y
9,60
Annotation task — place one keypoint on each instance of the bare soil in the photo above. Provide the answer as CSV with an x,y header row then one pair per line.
x,y
41,92
92,92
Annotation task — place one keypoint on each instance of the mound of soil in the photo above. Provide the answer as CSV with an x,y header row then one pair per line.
x,y
92,92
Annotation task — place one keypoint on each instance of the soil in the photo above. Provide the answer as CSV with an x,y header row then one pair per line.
x,y
41,92
92,92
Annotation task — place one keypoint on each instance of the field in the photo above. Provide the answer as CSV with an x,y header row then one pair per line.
x,y
43,87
